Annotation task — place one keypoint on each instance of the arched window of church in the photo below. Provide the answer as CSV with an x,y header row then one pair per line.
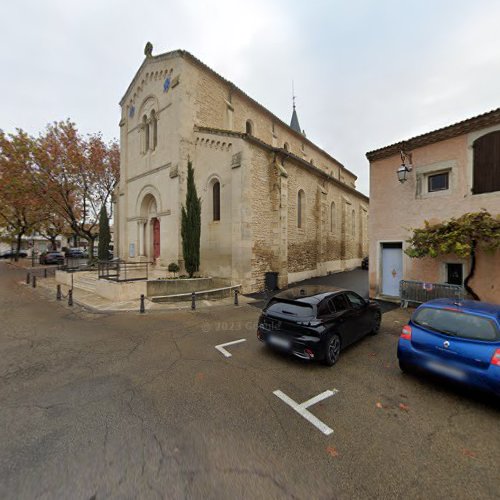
x,y
301,205
353,222
332,217
249,127
154,125
286,147
216,200
145,126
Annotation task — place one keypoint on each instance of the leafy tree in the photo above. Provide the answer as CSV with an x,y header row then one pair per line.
x,y
52,227
191,225
76,176
462,236
21,211
104,235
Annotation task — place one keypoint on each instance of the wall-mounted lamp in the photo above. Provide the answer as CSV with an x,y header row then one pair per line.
x,y
406,166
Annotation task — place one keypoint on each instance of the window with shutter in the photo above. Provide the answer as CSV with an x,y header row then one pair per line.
x,y
486,173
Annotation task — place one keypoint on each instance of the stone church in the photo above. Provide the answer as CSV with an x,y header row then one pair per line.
x,y
272,201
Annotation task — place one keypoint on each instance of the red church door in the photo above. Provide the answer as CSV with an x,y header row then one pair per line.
x,y
156,238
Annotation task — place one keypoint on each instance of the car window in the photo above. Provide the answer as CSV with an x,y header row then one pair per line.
x,y
291,308
324,309
456,323
340,303
356,301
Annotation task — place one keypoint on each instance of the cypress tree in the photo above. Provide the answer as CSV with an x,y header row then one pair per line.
x,y
191,225
104,235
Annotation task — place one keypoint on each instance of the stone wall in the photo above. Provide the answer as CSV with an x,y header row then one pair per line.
x,y
265,217
316,248
219,105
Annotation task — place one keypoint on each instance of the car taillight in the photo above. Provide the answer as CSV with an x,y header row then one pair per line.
x,y
495,360
406,332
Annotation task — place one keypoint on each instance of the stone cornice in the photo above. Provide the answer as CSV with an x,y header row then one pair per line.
x,y
284,153
149,172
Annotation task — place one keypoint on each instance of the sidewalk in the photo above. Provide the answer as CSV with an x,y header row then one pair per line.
x,y
94,303
393,320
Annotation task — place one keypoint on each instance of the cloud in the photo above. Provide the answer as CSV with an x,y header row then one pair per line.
x,y
366,73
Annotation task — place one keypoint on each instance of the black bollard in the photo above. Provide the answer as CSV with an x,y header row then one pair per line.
x,y
58,294
45,273
70,297
236,292
193,301
142,308
28,278
33,283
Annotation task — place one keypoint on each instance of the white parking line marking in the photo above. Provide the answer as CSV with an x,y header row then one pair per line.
x,y
301,408
221,349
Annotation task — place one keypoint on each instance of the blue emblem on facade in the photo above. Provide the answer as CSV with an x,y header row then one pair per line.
x,y
166,84
131,111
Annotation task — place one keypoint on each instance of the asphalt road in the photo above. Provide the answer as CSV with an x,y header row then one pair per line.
x,y
144,406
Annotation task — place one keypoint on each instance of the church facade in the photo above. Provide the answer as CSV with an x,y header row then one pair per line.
x,y
272,201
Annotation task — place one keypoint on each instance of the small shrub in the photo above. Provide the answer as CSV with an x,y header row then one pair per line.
x,y
173,268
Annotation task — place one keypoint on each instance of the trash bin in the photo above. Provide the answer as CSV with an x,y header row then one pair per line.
x,y
271,281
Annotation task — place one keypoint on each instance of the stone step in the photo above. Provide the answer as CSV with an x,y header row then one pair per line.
x,y
81,286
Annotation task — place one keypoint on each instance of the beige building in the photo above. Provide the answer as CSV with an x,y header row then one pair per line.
x,y
272,201
455,170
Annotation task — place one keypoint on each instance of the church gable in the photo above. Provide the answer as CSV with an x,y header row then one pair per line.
x,y
155,79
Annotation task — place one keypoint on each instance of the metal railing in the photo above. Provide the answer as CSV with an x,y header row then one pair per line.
x,y
119,270
421,291
72,264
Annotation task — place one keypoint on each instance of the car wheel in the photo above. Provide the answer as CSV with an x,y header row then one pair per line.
x,y
332,351
377,319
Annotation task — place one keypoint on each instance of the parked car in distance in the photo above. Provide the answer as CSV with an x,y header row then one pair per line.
x,y
364,263
456,340
51,258
317,322
74,253
9,254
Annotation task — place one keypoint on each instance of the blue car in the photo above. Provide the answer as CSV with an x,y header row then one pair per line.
x,y
457,340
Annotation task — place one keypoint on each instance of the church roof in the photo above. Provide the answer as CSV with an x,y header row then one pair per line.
x,y
185,54
294,124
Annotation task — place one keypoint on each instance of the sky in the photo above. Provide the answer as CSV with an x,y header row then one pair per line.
x,y
367,73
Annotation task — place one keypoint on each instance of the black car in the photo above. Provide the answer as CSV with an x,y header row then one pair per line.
x,y
317,323
11,254
51,258
74,253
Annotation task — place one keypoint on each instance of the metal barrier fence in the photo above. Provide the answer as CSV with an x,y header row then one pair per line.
x,y
73,264
119,270
420,291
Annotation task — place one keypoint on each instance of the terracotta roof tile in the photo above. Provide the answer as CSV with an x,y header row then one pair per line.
x,y
464,127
